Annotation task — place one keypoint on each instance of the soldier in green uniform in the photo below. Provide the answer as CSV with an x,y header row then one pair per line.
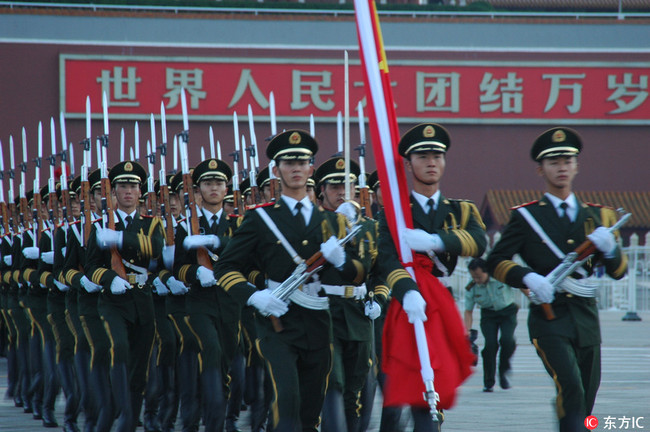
x,y
275,238
125,305
498,315
92,349
542,232
351,321
212,316
444,229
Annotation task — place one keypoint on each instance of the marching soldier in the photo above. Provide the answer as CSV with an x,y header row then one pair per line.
x,y
273,238
125,305
351,321
92,349
444,230
542,232
212,315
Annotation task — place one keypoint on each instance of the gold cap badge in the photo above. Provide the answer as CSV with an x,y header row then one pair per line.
x,y
428,132
340,164
128,166
294,138
558,136
212,164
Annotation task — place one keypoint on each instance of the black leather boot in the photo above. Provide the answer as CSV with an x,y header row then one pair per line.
x,y
101,388
214,403
167,398
188,373
71,392
122,398
333,417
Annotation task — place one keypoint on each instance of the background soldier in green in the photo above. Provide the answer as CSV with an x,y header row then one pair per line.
x,y
297,352
568,345
126,306
444,229
213,317
498,314
352,324
92,351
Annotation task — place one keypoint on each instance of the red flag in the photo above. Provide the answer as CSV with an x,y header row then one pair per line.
x,y
449,352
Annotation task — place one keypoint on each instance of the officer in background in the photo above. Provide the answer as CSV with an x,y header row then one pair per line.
x,y
542,232
498,315
126,305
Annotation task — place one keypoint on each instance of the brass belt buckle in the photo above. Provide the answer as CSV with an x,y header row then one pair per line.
x,y
131,279
349,292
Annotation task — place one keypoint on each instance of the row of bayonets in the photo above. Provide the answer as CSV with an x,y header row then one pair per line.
x,y
7,207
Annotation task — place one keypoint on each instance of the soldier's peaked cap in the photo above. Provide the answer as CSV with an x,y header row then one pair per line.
x,y
293,144
373,180
263,178
128,172
424,137
75,186
94,180
211,169
176,183
558,141
333,171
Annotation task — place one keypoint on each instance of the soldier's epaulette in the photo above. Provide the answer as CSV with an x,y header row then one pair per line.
x,y
458,199
590,204
470,285
524,205
253,207
234,216
148,216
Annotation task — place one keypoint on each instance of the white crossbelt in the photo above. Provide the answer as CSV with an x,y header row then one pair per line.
x,y
139,277
306,296
586,287
346,291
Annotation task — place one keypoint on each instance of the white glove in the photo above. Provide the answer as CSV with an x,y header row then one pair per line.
x,y
168,256
414,306
160,287
31,252
205,276
421,241
372,310
119,286
206,240
61,286
43,286
89,285
64,250
350,212
333,252
176,287
541,288
8,260
48,257
267,303
107,238
604,241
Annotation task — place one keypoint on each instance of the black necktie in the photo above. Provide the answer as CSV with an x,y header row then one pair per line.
x,y
564,219
127,221
213,223
432,211
300,219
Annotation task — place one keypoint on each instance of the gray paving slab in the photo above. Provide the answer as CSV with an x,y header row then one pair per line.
x,y
526,406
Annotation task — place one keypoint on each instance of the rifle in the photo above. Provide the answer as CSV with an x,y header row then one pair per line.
x,y
52,205
236,193
202,255
65,193
364,193
164,190
24,215
254,159
4,214
84,199
303,271
573,260
36,208
151,164
107,202
273,181
12,192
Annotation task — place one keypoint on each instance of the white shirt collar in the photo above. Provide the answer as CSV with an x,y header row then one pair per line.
x,y
208,214
124,214
307,206
572,202
422,200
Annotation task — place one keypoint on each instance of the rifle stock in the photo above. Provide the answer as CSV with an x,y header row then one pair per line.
x,y
36,210
116,258
364,201
202,255
166,214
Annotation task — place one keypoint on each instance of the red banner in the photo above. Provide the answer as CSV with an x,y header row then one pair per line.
x,y
486,92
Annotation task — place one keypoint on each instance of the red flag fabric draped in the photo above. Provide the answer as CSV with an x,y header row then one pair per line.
x,y
449,351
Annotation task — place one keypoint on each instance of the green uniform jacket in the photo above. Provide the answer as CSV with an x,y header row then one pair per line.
x,y
304,328
519,238
142,243
459,225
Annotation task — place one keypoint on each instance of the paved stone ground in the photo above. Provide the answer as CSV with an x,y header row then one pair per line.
x,y
526,406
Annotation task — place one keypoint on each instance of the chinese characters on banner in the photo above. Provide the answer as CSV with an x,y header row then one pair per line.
x,y
485,92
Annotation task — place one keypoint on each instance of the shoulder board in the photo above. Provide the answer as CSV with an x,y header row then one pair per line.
x,y
599,206
234,216
524,205
147,216
458,200
253,207
470,285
